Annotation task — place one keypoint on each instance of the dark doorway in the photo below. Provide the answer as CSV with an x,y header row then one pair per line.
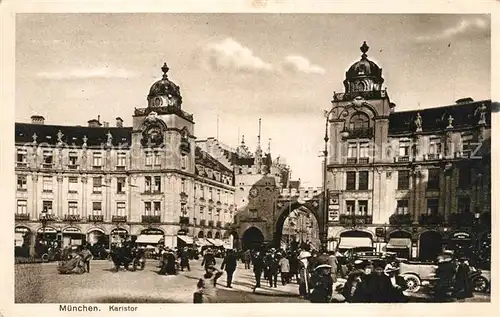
x,y
252,238
430,246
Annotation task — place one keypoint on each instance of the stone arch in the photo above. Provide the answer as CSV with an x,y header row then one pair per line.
x,y
252,238
429,245
201,234
399,233
96,229
217,235
209,235
310,207
101,238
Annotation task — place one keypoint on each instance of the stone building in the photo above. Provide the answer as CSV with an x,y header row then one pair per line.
x,y
99,182
414,182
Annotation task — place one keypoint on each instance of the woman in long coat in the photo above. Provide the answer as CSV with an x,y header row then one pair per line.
x,y
463,285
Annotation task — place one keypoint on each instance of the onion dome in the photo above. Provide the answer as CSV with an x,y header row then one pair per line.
x,y
164,92
363,75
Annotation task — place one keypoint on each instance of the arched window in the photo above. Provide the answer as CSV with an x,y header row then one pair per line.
x,y
209,234
359,122
201,234
217,235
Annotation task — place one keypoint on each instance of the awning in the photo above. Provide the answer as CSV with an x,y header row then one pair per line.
x,y
18,239
215,242
186,239
399,243
353,242
202,242
149,238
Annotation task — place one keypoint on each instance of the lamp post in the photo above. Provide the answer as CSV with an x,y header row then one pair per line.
x,y
344,134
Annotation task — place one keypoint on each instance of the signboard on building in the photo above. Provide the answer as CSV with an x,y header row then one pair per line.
x,y
461,236
333,207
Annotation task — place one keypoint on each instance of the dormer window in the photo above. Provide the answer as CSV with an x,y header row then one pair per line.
x,y
359,121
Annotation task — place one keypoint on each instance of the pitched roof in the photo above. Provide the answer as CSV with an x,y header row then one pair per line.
x,y
205,159
436,119
72,135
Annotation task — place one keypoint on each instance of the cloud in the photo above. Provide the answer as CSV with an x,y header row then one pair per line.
x,y
465,25
299,64
86,73
231,55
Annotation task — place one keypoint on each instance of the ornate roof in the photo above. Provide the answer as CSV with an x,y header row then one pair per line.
x,y
166,88
363,75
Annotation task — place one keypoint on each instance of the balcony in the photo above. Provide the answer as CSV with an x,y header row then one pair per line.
x,y
119,218
22,217
351,160
353,220
211,223
403,159
400,219
120,168
219,224
47,217
465,219
429,220
72,166
431,157
97,167
22,164
150,219
72,218
95,218
184,220
364,160
202,223
47,165
360,133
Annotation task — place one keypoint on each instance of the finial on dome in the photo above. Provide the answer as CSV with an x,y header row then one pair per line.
x,y
165,69
364,48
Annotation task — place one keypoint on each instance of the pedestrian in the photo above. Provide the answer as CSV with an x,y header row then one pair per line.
x,y
208,259
273,269
379,287
86,257
247,259
304,276
258,267
184,257
463,287
294,266
321,284
354,290
333,262
229,264
398,284
284,265
207,291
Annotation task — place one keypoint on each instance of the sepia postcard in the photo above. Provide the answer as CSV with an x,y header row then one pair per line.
x,y
250,153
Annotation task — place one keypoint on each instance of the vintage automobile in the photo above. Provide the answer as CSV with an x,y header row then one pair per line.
x,y
417,274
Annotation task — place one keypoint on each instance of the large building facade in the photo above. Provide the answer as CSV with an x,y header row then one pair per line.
x,y
414,182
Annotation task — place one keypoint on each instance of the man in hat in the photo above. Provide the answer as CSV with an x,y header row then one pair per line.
x,y
354,290
229,264
378,284
304,276
321,284
463,287
208,258
398,284
284,267
258,267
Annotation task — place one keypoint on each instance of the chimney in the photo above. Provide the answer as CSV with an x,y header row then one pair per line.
x,y
119,122
37,120
93,123
464,100
105,124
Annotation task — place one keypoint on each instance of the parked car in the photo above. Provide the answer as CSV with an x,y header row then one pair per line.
x,y
417,274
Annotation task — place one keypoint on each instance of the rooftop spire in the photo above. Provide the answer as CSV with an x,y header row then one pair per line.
x,y
364,48
269,146
165,69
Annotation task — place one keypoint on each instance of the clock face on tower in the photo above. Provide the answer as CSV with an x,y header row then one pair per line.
x,y
157,101
254,192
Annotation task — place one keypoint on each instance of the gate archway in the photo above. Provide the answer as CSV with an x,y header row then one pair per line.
x,y
253,238
429,245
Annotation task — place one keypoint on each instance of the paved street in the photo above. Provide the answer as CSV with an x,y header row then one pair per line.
x,y
40,283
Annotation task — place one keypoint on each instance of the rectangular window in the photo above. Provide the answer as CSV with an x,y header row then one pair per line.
x,y
121,159
467,142
22,156
211,193
404,148
157,208
47,206
362,207
364,149
157,158
202,191
147,184
48,157
350,181
47,184
432,206
73,159
96,208
147,208
183,185
433,181
22,207
403,180
435,146
72,208
149,158
363,180
97,159
120,209
350,205
73,184
21,182
184,162
157,184
464,177
120,185
402,207
463,205
352,150
97,184
218,195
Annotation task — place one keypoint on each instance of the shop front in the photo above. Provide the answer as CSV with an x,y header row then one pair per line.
x,y
98,242
400,243
22,241
72,236
461,243
46,237
430,245
117,236
150,237
355,239
183,240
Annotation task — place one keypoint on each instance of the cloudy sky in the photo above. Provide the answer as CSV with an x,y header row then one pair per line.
x,y
282,68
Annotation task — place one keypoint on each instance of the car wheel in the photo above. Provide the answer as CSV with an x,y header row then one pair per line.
x,y
45,257
480,284
412,283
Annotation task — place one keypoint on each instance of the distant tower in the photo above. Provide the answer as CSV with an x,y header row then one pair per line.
x,y
258,152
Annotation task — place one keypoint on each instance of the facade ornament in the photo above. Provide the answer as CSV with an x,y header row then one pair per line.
x,y
107,179
34,177
59,178
482,114
59,137
84,141
418,122
84,179
109,139
450,122
34,138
